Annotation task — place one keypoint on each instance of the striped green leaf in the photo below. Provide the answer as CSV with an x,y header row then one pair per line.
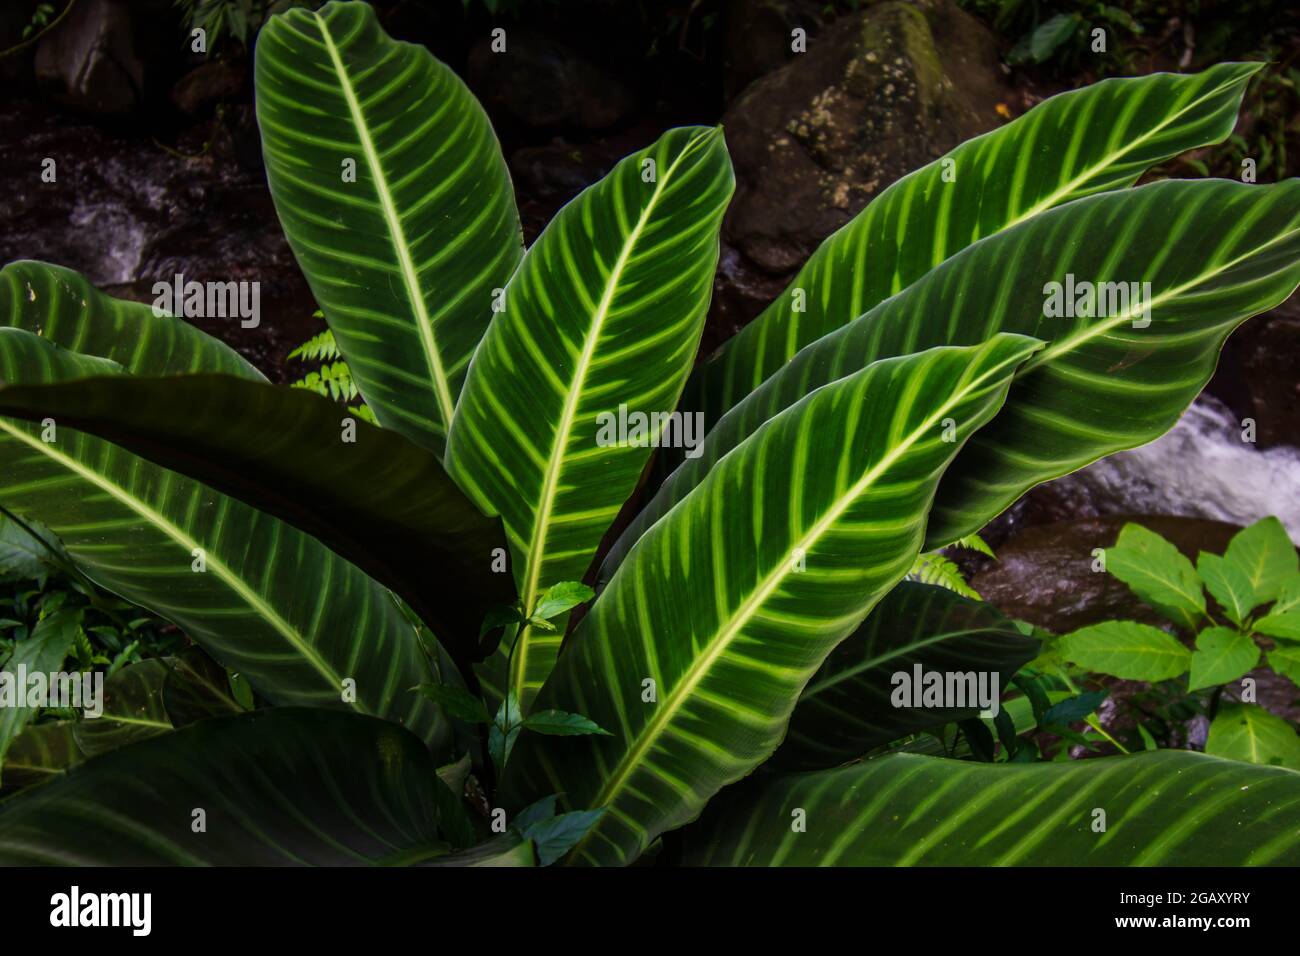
x,y
132,708
404,256
366,492
507,851
848,706
696,652
38,754
62,307
1214,252
1101,137
197,687
281,787
28,553
1162,808
143,533
602,318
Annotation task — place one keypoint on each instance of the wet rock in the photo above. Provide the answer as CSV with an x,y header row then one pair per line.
x,y
200,248
557,169
1044,574
92,217
235,135
209,84
758,34
877,95
739,293
539,82
1270,357
89,60
546,177
126,214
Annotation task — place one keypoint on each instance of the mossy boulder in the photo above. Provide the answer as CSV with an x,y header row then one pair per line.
x,y
876,94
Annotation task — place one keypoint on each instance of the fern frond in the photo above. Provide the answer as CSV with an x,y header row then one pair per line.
x,y
973,542
364,412
934,568
320,347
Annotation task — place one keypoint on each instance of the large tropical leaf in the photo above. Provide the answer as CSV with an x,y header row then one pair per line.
x,y
846,709
287,786
38,754
404,256
1101,137
603,315
1214,252
506,851
375,498
730,605
197,687
62,307
132,708
230,576
1166,808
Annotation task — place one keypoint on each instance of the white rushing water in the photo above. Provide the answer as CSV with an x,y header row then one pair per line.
x,y
1200,469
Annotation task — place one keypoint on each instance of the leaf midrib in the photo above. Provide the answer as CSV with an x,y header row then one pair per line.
x,y
397,233
1050,200
631,760
1087,334
850,673
214,564
550,480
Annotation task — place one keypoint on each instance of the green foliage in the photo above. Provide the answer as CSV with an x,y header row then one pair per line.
x,y
754,615
333,378
41,17
1253,735
1251,614
54,619
552,834
937,568
1057,37
38,579
934,568
233,22
319,347
1127,650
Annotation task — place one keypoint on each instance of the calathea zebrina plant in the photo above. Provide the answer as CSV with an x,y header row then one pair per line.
x,y
398,595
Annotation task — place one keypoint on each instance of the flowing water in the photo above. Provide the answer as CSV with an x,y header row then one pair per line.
x,y
126,212
1201,468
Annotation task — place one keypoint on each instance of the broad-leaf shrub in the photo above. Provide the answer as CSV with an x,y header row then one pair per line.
x,y
914,380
